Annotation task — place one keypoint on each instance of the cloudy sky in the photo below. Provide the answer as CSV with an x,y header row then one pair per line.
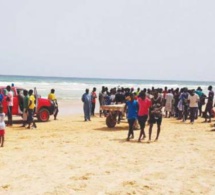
x,y
142,39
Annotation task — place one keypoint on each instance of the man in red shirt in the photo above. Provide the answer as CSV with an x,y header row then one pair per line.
x,y
94,96
144,105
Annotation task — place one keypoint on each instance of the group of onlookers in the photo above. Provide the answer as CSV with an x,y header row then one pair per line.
x,y
147,105
27,106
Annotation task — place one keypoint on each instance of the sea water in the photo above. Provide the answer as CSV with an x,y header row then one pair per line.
x,y
69,88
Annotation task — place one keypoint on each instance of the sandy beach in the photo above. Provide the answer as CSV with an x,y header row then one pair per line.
x,y
70,156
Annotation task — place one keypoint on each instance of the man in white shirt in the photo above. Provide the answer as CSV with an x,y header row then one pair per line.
x,y
168,103
9,105
193,100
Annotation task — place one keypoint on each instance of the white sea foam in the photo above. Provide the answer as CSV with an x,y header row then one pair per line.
x,y
73,88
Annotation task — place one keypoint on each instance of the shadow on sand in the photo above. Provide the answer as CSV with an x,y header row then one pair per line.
x,y
116,128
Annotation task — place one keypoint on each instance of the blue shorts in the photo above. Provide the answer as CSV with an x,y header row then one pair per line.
x,y
30,115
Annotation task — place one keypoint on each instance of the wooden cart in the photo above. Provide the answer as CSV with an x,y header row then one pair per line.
x,y
113,112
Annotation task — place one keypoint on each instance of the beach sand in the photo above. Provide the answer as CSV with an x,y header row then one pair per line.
x,y
70,156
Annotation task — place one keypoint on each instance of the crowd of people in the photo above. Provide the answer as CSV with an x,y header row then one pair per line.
x,y
27,106
150,105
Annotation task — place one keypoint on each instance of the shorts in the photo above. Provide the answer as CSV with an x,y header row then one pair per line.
x,y
142,119
30,115
153,119
2,132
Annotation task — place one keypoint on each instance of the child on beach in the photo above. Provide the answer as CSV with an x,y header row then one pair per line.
x,y
2,126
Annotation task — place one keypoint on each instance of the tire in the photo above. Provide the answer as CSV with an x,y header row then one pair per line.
x,y
43,115
111,120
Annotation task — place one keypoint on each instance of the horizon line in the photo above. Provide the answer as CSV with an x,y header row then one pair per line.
x,y
132,79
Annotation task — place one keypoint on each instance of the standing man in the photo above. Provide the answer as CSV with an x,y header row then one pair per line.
x,y
25,108
87,100
53,99
9,99
183,97
169,103
94,96
193,100
31,107
202,97
209,104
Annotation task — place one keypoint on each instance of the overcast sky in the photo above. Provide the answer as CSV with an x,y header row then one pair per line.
x,y
142,39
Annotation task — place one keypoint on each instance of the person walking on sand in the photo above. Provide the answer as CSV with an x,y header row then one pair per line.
x,y
94,96
155,115
2,127
132,106
9,100
87,100
53,99
144,105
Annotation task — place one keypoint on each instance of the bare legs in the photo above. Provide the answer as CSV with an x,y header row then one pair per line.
x,y
1,140
142,121
158,132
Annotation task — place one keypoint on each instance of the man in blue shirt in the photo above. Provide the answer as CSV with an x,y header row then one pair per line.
x,y
132,106
87,100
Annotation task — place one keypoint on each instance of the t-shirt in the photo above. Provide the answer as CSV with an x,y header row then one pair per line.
x,y
199,93
193,100
32,100
210,97
183,97
144,106
1,97
94,96
2,123
10,98
132,109
25,102
156,107
52,96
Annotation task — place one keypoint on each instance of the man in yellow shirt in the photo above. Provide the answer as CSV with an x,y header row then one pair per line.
x,y
53,99
31,107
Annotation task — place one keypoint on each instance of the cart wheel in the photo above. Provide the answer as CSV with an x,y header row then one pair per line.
x,y
111,121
